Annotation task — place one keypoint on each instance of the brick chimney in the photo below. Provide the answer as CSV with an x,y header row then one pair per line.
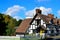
x,y
38,11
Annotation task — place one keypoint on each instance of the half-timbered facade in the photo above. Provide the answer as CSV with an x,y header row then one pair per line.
x,y
37,25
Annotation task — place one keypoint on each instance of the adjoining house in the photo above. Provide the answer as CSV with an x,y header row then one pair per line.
x,y
37,25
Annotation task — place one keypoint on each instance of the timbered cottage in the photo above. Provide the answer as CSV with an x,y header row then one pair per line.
x,y
36,25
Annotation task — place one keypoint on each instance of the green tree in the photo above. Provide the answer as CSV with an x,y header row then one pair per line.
x,y
2,25
10,27
8,24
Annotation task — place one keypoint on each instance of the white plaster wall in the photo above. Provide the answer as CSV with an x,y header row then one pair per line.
x,y
37,17
34,27
33,22
30,27
31,31
43,23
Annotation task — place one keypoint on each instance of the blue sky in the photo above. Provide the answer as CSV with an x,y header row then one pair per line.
x,y
19,8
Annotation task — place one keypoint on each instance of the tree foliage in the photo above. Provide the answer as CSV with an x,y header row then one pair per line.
x,y
2,25
8,24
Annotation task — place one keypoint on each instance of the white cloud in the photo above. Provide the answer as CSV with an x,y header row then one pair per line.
x,y
30,13
58,12
17,17
14,9
45,11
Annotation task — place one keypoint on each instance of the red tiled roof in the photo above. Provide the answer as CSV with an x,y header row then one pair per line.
x,y
23,26
44,17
